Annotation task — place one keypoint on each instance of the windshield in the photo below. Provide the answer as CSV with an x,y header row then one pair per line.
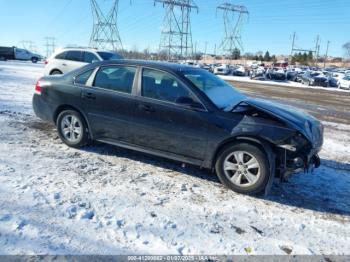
x,y
109,56
217,90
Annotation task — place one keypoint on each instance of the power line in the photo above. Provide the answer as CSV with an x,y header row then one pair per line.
x,y
29,45
53,21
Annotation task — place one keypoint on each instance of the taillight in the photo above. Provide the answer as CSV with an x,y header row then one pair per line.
x,y
46,62
38,88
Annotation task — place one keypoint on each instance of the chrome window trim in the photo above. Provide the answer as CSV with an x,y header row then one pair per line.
x,y
97,69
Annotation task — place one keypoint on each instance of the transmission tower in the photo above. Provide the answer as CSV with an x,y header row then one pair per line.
x,y
29,45
50,45
105,33
234,16
176,35
315,51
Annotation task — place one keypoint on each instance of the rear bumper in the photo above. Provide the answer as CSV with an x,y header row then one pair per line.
x,y
41,108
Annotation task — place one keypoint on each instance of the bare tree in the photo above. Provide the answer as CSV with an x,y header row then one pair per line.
x,y
346,47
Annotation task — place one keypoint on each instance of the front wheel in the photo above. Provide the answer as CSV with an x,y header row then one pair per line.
x,y
243,168
72,128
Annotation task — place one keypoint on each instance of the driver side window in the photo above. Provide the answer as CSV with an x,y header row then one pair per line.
x,y
162,86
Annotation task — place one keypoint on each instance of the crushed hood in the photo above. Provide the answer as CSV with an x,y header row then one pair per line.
x,y
306,124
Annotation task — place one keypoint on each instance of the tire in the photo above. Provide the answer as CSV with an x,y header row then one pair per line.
x,y
34,60
72,129
241,178
56,72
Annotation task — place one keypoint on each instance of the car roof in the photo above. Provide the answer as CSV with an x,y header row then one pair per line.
x,y
153,64
83,49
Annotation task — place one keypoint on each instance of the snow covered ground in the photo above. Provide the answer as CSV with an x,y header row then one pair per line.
x,y
106,200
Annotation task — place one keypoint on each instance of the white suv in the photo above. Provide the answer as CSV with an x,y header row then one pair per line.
x,y
69,59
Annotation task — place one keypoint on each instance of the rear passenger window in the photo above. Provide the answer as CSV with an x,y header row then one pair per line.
x,y
83,78
90,57
61,55
116,78
74,56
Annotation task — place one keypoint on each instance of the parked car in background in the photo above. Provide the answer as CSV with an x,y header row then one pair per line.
x,y
311,78
300,76
344,83
337,75
222,69
292,75
257,73
281,64
15,53
182,113
205,66
69,59
238,70
276,74
307,77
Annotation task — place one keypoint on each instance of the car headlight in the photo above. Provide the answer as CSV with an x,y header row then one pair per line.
x,y
294,143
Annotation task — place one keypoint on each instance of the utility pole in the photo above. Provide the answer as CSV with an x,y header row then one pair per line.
x,y
326,55
293,42
317,48
215,54
205,49
195,51
50,45
233,27
105,33
176,35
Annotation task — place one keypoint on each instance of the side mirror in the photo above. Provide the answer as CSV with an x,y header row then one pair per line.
x,y
188,101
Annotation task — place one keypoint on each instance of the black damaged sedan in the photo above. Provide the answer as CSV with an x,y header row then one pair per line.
x,y
181,113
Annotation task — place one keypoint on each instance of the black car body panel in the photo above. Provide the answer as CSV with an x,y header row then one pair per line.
x,y
180,132
294,118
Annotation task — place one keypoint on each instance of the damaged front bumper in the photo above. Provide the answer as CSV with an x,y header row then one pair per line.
x,y
296,162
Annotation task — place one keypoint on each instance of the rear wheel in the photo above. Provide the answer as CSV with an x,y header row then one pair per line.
x,y
72,128
243,168
56,72
34,60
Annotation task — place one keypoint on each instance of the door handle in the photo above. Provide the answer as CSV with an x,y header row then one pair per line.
x,y
88,96
64,64
146,108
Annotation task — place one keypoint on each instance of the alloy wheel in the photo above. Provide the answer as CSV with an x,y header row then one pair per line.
x,y
72,128
242,168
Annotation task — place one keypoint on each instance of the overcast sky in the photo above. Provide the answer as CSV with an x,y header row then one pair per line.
x,y
270,26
